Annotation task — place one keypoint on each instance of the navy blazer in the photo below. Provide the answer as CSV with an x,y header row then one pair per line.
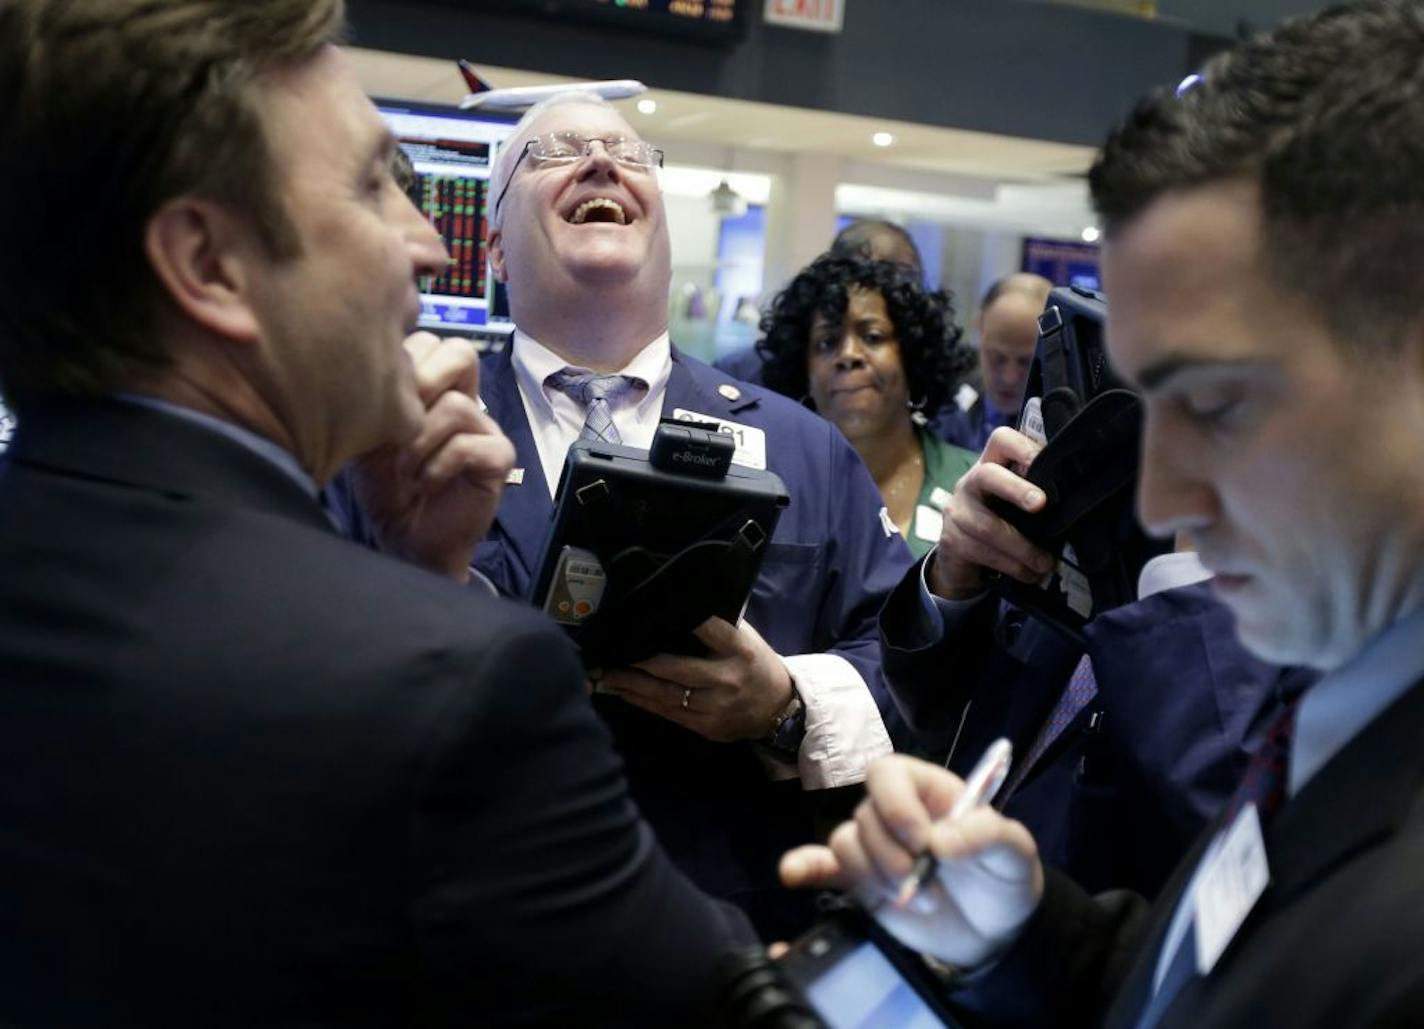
x,y
828,568
1120,794
253,775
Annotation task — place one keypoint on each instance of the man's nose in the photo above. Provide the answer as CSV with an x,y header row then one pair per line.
x,y
596,160
427,248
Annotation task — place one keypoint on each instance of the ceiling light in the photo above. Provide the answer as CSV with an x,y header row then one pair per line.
x,y
882,139
647,106
726,201
1091,234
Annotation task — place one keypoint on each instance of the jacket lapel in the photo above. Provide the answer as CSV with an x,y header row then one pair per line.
x,y
688,390
1325,824
525,507
1330,820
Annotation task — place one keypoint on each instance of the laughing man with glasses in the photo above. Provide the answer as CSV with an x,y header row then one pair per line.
x,y
728,755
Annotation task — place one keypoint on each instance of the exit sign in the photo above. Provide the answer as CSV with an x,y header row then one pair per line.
x,y
816,15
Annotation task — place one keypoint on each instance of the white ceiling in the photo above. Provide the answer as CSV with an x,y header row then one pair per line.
x,y
929,172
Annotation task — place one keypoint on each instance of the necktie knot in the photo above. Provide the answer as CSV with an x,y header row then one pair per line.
x,y
596,394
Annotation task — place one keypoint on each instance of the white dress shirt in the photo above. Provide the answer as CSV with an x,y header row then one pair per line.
x,y
844,731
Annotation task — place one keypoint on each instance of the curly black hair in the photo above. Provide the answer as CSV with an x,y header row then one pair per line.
x,y
923,319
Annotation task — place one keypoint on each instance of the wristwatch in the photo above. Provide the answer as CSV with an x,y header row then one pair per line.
x,y
788,729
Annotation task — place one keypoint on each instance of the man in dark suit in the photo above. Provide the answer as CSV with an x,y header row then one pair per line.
x,y
251,774
726,753
1263,248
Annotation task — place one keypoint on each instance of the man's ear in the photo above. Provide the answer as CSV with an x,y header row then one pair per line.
x,y
494,244
204,260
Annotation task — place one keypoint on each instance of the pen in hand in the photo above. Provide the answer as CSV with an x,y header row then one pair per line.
x,y
988,775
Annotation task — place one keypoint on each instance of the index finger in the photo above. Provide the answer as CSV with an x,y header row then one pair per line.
x,y
678,668
1010,448
444,365
909,795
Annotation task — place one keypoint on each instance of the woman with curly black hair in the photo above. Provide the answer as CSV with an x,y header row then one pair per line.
x,y
863,343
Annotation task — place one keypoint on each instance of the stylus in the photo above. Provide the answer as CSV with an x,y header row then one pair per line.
x,y
988,775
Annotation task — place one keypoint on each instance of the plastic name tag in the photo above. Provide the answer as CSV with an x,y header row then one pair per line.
x,y
928,523
751,441
1233,880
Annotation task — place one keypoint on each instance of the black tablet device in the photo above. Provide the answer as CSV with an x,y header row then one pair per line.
x,y
854,975
641,550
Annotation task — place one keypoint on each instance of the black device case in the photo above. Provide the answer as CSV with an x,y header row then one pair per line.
x,y
1087,470
675,549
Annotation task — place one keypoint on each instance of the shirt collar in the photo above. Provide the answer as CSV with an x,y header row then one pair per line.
x,y
259,445
1170,572
1335,709
533,363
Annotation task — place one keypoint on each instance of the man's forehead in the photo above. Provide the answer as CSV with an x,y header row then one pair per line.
x,y
1185,277
588,119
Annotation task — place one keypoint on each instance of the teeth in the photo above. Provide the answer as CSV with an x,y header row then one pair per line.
x,y
583,210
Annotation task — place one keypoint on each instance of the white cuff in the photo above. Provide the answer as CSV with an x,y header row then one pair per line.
x,y
844,732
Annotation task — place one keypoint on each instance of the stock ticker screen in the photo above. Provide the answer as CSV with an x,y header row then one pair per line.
x,y
453,152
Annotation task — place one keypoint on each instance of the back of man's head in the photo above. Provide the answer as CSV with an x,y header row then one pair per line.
x,y
109,108
878,241
1325,115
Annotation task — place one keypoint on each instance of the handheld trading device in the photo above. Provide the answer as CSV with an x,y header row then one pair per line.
x,y
646,545
1091,428
854,975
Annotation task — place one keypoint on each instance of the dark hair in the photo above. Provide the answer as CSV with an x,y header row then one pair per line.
x,y
1326,114
858,240
108,109
923,320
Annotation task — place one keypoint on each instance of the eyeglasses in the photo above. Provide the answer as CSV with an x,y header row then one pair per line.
x,y
568,147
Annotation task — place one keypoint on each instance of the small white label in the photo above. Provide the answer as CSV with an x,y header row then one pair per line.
x,y
751,441
1032,423
887,523
965,396
928,523
1074,584
577,589
515,477
1232,881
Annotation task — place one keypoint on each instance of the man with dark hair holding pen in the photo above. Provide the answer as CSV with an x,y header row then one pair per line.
x,y
1263,245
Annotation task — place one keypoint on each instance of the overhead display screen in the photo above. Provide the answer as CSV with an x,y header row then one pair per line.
x,y
706,19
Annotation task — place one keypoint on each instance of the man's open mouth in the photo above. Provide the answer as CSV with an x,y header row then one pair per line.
x,y
599,209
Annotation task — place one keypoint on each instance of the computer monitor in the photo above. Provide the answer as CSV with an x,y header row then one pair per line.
x,y
453,153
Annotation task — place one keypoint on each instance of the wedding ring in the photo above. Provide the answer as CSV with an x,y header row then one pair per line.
x,y
686,696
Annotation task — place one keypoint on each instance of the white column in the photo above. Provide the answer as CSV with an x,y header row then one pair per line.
x,y
801,217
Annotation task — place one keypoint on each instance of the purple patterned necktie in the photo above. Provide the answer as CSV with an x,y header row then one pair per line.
x,y
596,394
1082,687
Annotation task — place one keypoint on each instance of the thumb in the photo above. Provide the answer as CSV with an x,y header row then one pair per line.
x,y
810,867
719,634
